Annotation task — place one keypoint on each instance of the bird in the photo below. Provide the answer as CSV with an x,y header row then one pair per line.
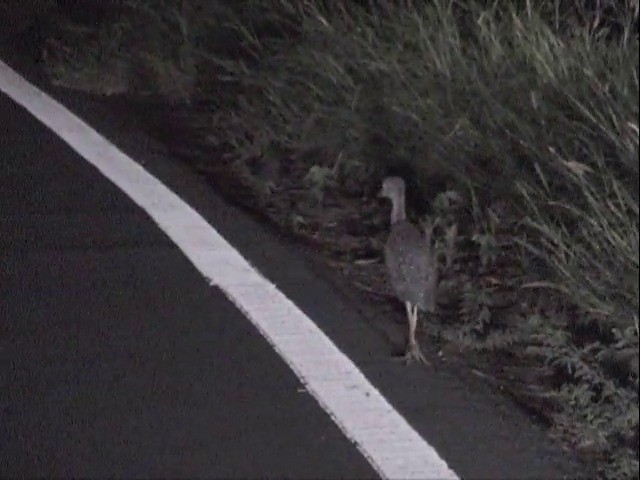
x,y
410,262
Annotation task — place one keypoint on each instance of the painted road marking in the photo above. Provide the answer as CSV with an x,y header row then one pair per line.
x,y
384,437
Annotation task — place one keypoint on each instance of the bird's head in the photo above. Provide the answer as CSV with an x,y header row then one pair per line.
x,y
392,188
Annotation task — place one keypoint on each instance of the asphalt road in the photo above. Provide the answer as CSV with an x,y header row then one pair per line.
x,y
118,359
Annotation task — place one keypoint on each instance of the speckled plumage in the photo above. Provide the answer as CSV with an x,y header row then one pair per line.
x,y
410,263
407,261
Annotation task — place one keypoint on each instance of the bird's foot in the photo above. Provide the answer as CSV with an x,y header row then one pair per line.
x,y
414,354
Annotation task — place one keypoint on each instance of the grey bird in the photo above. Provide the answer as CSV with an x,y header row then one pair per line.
x,y
411,264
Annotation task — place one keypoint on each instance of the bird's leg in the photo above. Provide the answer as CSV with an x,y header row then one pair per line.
x,y
409,308
412,314
413,349
413,352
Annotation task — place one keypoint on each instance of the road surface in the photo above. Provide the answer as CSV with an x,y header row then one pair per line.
x,y
119,358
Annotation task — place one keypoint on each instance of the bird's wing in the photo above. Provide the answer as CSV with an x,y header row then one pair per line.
x,y
406,259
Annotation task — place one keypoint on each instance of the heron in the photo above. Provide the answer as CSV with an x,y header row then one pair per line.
x,y
411,264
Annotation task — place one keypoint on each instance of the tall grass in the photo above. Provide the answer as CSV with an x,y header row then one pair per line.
x,y
531,103
506,99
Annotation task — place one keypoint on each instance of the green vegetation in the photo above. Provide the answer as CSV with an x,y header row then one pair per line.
x,y
17,16
515,122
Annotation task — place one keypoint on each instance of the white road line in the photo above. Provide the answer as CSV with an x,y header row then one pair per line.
x,y
383,436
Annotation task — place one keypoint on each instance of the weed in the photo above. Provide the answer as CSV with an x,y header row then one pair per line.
x,y
529,106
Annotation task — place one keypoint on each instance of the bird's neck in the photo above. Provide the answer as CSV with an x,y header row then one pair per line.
x,y
398,213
